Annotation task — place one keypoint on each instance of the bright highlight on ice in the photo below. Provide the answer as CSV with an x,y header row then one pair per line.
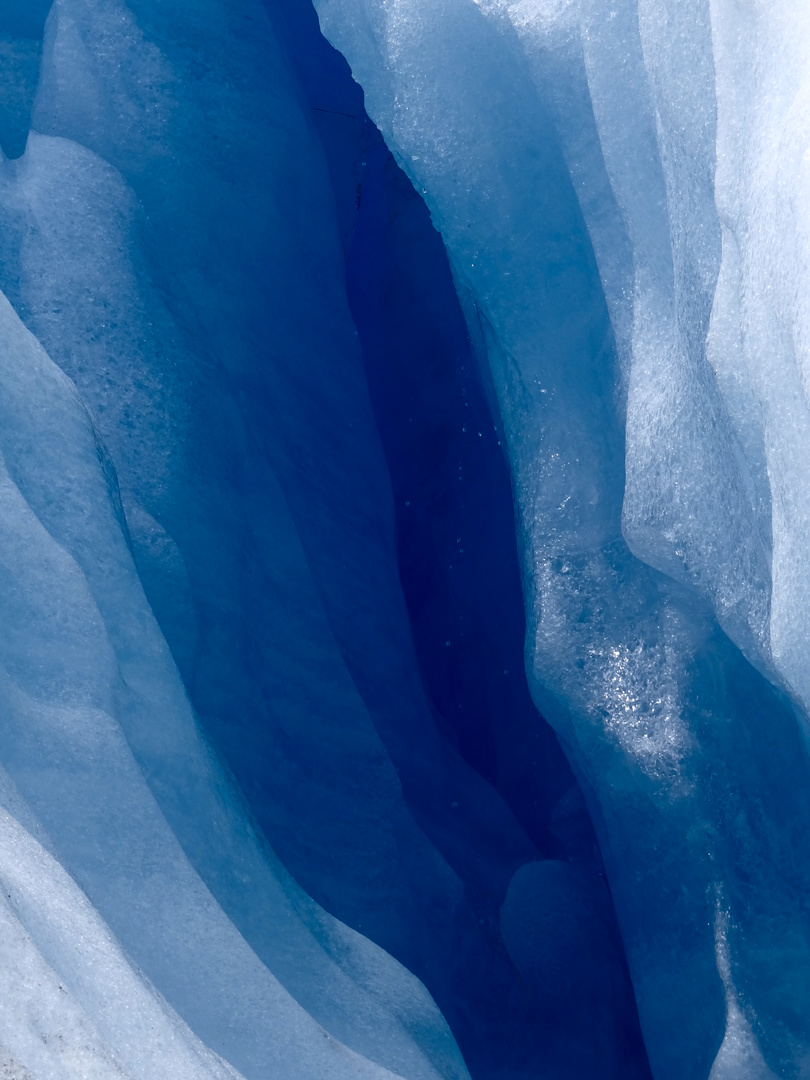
x,y
276,801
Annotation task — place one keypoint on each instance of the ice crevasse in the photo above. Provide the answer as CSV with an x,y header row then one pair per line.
x,y
148,929
622,188
212,699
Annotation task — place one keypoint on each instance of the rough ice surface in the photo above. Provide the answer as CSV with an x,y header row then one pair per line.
x,y
622,190
275,800
178,240
101,745
149,930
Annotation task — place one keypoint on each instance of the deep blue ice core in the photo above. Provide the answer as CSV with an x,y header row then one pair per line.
x,y
401,552
509,791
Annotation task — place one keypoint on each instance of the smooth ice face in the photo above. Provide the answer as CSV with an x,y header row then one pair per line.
x,y
111,772
198,522
173,243
621,189
74,1004
149,922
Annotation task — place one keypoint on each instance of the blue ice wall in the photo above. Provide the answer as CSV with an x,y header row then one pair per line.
x,y
605,180
287,479
427,393
122,255
176,237
459,572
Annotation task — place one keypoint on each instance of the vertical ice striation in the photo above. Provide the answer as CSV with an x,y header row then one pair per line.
x,y
758,340
107,772
101,745
192,287
622,191
167,228
228,344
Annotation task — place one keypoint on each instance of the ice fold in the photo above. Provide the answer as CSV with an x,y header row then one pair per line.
x,y
621,189
146,840
101,744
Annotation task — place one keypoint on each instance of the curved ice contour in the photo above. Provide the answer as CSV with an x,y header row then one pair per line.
x,y
198,546
142,911
622,188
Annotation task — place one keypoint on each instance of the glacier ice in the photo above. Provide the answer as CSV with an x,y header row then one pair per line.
x,y
620,187
226,383
263,724
100,743
463,595
99,739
